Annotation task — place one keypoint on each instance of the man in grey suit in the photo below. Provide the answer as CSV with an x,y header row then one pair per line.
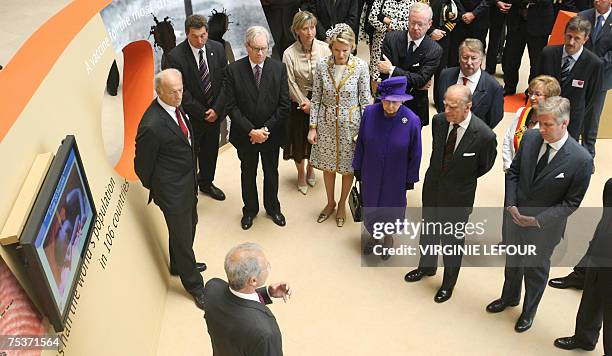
x,y
238,320
544,185
464,149
487,94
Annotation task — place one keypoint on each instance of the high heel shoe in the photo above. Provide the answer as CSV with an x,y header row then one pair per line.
x,y
303,189
311,178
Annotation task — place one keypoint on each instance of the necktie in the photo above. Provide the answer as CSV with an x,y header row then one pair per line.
x,y
182,124
565,69
257,75
543,162
205,77
450,147
410,48
598,26
465,81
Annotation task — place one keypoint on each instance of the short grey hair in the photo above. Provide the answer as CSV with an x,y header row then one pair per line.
x,y
463,89
161,76
239,271
557,106
421,7
472,45
255,31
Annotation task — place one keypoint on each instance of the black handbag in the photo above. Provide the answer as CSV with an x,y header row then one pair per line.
x,y
355,203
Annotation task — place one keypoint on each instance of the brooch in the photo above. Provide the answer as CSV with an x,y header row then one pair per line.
x,y
404,120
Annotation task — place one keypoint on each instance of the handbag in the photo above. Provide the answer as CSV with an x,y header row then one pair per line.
x,y
355,203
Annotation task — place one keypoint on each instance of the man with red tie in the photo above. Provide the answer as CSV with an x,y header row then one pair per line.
x,y
165,164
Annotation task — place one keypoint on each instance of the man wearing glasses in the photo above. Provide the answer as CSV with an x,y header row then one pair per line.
x,y
257,94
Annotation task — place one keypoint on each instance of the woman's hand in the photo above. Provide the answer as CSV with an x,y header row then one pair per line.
x,y
312,136
305,107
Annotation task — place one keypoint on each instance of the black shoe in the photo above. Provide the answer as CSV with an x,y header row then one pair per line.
x,y
387,243
368,247
443,295
572,280
278,218
246,222
523,324
499,305
200,266
173,273
198,298
416,275
570,343
212,191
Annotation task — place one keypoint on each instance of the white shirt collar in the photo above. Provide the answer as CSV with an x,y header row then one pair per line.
x,y
196,51
575,56
604,15
474,78
168,108
253,64
465,123
250,296
557,145
417,43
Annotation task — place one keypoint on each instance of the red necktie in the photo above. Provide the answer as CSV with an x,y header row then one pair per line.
x,y
182,124
465,81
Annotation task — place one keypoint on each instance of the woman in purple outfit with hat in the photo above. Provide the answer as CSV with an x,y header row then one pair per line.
x,y
387,156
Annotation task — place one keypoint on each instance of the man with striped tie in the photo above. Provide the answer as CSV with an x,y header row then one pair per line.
x,y
579,71
202,62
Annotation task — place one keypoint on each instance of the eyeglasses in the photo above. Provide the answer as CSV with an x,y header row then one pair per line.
x,y
259,49
418,24
534,94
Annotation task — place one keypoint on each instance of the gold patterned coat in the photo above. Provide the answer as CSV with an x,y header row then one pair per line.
x,y
336,109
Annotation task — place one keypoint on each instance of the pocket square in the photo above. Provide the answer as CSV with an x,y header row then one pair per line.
x,y
469,154
416,64
560,176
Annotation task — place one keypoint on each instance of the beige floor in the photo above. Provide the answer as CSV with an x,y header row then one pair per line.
x,y
338,307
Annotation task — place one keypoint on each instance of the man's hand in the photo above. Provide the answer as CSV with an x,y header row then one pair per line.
x,y
305,107
522,220
258,136
468,17
437,34
312,136
280,290
426,86
210,115
503,7
384,65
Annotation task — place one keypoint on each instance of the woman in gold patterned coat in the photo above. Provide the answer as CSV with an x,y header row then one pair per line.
x,y
341,90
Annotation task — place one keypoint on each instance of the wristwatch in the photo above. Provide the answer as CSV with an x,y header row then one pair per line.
x,y
266,129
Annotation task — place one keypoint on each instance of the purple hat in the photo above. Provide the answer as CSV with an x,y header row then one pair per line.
x,y
394,89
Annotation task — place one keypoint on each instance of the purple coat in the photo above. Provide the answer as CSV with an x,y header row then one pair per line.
x,y
388,154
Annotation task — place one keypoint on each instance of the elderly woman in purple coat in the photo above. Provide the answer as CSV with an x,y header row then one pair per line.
x,y
387,157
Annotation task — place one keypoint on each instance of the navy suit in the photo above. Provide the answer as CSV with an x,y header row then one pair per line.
x,y
550,197
487,100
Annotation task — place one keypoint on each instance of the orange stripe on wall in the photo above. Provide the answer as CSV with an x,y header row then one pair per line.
x,y
138,71
22,76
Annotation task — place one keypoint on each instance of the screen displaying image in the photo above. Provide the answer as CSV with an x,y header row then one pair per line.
x,y
62,233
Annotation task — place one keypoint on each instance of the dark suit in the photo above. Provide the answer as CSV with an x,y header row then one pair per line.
x,y
417,68
497,35
487,100
596,302
165,164
448,196
550,197
588,69
195,104
526,26
477,29
279,15
252,108
237,326
343,11
602,47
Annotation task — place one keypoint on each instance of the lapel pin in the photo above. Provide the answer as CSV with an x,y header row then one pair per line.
x,y
404,120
